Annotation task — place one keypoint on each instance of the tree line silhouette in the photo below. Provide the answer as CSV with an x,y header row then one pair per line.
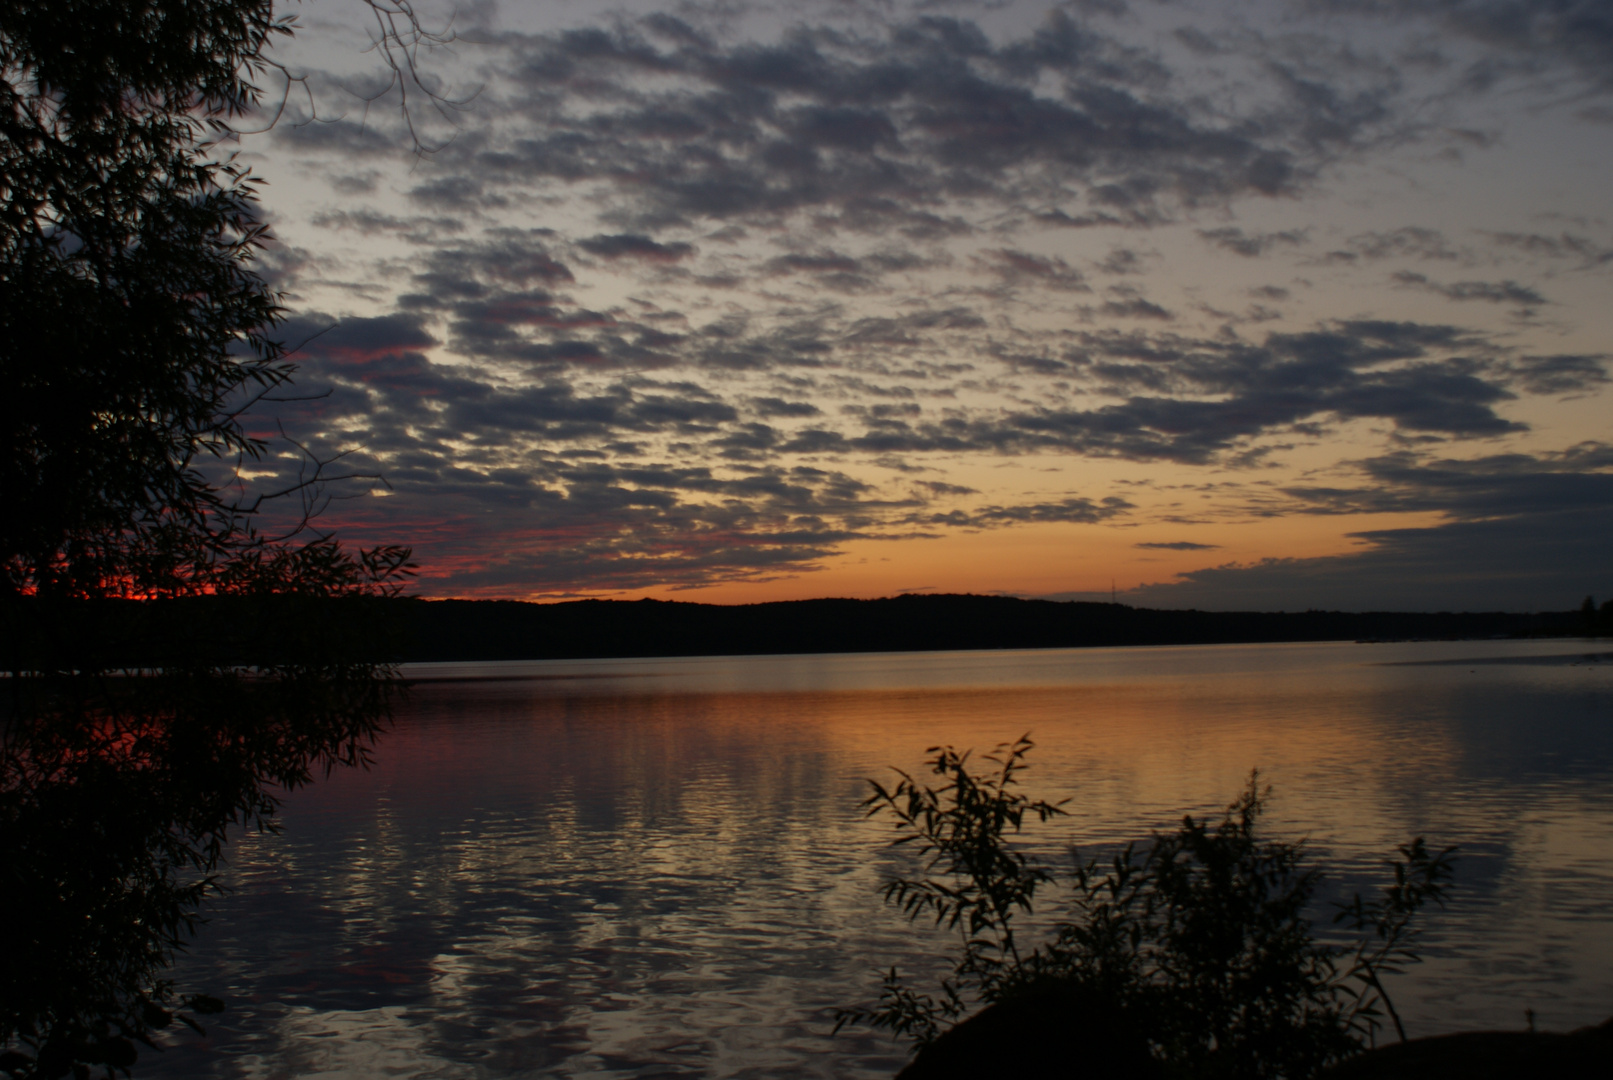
x,y
512,630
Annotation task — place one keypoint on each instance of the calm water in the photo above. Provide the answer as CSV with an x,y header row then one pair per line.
x,y
658,867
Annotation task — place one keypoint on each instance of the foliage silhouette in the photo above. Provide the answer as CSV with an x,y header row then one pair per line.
x,y
172,666
960,831
1203,937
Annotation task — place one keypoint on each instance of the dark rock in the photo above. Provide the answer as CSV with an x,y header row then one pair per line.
x,y
1048,1033
1488,1055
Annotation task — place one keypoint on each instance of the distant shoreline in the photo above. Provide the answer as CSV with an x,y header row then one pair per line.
x,y
481,630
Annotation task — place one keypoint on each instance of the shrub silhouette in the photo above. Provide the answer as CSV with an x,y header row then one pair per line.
x,y
1202,938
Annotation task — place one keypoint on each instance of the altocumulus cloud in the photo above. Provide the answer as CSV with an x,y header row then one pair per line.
x,y
1521,532
789,269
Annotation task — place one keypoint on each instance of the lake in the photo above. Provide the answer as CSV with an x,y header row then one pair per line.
x,y
637,868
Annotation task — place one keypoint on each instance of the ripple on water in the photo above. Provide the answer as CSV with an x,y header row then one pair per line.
x,y
659,868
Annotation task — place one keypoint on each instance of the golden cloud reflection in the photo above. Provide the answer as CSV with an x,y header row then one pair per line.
x,y
632,864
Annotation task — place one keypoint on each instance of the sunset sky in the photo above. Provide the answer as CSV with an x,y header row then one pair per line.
x,y
1268,305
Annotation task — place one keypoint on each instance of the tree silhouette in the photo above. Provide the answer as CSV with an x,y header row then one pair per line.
x,y
172,668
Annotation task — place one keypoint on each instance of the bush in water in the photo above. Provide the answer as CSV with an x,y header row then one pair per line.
x,y
1201,937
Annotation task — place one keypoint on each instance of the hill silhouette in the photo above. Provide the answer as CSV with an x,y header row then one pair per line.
x,y
516,630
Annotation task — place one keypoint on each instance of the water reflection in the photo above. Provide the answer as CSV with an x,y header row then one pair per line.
x,y
657,867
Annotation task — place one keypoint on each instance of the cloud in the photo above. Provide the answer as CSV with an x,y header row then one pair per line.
x,y
635,246
1518,37
346,140
1522,532
881,129
1126,303
1565,246
1490,292
772,406
1252,245
418,229
1194,400
1560,374
356,340
1176,545
788,275
464,192
1497,485
1173,398
1407,242
1079,510
938,488
1526,563
1020,268
1122,261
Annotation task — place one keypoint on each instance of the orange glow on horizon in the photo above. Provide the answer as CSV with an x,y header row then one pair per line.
x,y
1026,560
